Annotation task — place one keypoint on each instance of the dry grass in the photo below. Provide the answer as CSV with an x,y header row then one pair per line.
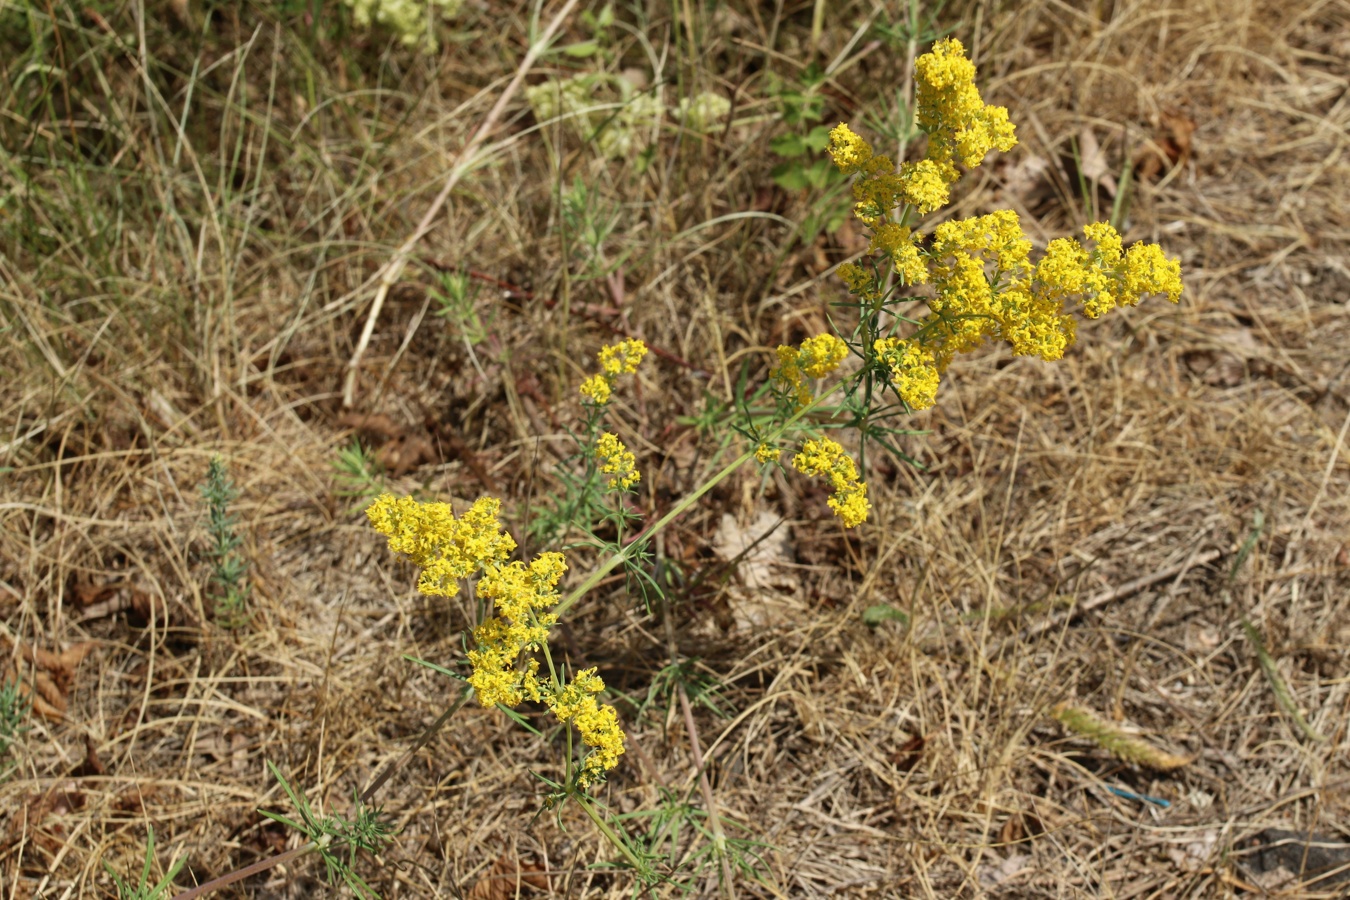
x,y
167,295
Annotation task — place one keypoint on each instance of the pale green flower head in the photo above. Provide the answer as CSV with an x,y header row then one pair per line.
x,y
413,21
705,112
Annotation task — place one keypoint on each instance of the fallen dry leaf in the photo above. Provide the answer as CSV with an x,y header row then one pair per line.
x,y
1170,147
48,677
759,550
907,756
1092,162
29,823
504,879
400,451
88,589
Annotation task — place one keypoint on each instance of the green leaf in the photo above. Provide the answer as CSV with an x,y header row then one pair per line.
x,y
788,145
1284,698
434,667
813,75
818,138
518,718
884,612
820,173
582,49
790,176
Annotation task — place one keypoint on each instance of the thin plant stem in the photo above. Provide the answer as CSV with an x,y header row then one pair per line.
x,y
261,865
421,742
584,802
679,508
468,156
696,751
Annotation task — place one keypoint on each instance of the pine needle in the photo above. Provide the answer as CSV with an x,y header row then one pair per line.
x,y
1284,698
1120,744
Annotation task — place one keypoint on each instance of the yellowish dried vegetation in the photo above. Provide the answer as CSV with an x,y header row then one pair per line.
x,y
195,208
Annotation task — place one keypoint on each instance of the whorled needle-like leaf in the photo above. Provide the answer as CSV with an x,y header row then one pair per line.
x,y
1120,743
1284,698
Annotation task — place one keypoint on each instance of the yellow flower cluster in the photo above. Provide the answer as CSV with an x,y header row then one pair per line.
x,y
817,357
615,360
523,598
949,108
1107,277
617,462
766,453
960,126
825,457
913,371
445,547
597,723
984,282
972,305
902,246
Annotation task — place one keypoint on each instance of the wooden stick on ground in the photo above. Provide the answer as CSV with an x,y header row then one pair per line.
x,y
467,157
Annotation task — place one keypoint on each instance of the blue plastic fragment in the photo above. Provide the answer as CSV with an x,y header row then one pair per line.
x,y
1143,798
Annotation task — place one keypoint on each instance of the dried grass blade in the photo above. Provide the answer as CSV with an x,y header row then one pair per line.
x,y
1284,698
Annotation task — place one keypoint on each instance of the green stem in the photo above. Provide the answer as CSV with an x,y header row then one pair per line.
x,y
678,509
584,802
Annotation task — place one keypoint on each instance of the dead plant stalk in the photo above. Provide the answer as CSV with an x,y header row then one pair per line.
x,y
467,157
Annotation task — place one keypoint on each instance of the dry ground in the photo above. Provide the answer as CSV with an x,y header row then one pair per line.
x,y
168,294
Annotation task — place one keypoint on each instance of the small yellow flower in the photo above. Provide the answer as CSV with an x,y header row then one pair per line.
x,y
913,371
617,462
615,360
597,724
849,152
825,457
787,375
446,548
622,358
821,355
901,245
926,184
949,108
766,453
1104,278
817,357
858,279
596,389
1148,271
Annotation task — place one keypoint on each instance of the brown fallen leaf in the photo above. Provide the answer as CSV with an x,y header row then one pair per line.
x,y
88,589
1171,146
48,677
1092,162
908,754
503,880
143,603
447,432
400,451
401,455
92,765
29,823
133,799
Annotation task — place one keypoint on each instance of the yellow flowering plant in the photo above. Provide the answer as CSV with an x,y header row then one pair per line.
x,y
517,605
972,281
976,276
600,473
518,602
